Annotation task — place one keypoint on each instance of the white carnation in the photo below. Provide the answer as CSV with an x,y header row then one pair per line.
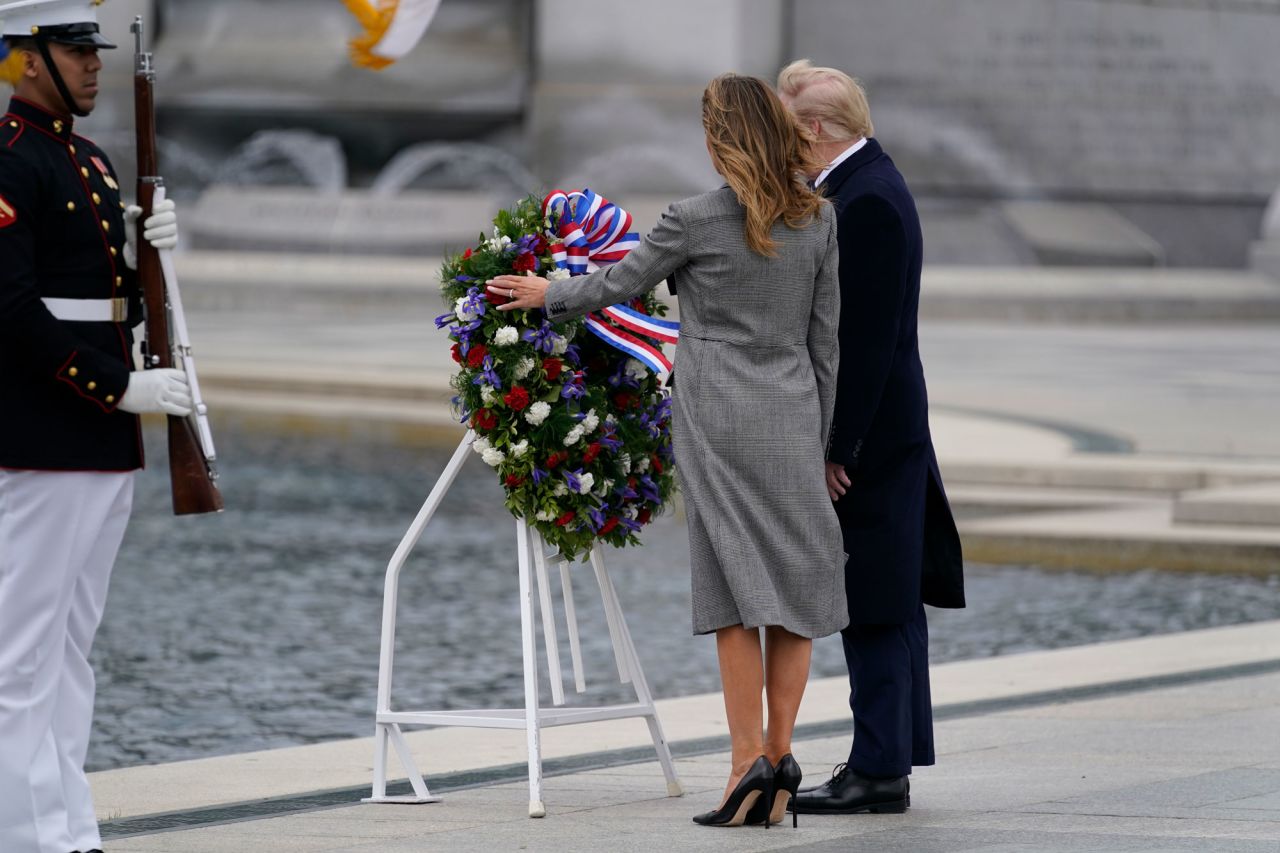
x,y
560,345
493,457
642,465
558,275
590,422
606,486
488,395
520,448
585,482
543,515
460,308
636,369
624,460
481,444
524,368
506,336
560,489
574,436
538,412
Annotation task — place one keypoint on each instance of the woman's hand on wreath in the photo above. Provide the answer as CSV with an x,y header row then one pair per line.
x,y
521,291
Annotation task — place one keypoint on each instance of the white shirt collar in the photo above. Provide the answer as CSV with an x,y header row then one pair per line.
x,y
848,152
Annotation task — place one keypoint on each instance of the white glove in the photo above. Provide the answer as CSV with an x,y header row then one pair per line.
x,y
160,390
160,229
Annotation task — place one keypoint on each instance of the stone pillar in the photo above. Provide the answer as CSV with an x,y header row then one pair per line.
x,y
617,96
1265,253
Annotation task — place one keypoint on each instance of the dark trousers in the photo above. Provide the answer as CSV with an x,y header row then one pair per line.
x,y
889,695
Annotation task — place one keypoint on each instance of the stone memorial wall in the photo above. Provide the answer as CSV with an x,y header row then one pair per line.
x,y
1160,99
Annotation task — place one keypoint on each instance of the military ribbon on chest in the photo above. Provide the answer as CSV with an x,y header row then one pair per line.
x,y
592,232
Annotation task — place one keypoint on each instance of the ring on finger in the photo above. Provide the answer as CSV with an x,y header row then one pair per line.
x,y
511,294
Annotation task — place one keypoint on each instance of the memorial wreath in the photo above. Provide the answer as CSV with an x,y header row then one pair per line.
x,y
577,426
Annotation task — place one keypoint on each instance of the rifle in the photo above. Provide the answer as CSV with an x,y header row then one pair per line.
x,y
191,451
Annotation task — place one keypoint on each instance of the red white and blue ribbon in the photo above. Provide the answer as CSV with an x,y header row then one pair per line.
x,y
592,232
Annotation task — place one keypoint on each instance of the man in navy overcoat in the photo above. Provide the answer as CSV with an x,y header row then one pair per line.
x,y
904,551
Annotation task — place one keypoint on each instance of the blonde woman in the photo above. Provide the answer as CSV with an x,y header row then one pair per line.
x,y
755,264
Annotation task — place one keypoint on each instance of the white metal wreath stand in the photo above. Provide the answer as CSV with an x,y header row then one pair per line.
x,y
533,560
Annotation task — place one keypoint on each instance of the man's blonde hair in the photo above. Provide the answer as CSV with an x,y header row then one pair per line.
x,y
828,96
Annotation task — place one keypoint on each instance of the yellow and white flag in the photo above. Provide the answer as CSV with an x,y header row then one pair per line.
x,y
391,29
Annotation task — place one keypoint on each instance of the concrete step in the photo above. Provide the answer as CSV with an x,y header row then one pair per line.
x,y
1256,504
1109,472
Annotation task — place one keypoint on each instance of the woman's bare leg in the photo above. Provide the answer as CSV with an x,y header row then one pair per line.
x,y
742,676
786,667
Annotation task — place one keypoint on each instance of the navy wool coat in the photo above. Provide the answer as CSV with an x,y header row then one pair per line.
x,y
898,529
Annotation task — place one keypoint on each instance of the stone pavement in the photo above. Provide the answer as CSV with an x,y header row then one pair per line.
x,y
1160,744
1083,417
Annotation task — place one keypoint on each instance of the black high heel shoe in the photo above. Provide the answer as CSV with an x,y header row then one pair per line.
x,y
756,786
786,782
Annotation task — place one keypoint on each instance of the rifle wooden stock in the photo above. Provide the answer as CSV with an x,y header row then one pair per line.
x,y
194,491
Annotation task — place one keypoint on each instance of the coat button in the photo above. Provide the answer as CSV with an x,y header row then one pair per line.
x,y
114,251
119,280
97,199
106,226
71,148
110,399
71,205
92,385
13,124
73,371
84,171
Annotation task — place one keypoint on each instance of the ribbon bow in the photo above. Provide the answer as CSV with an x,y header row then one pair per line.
x,y
593,232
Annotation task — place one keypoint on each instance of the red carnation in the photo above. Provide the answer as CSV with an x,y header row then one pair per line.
x,y
590,454
657,464
565,519
484,419
624,399
526,262
608,526
514,481
553,367
475,356
556,458
495,298
456,352
517,398
466,254
644,515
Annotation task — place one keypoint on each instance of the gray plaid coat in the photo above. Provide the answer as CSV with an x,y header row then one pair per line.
x,y
752,407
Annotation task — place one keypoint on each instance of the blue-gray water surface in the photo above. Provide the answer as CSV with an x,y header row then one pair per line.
x,y
260,627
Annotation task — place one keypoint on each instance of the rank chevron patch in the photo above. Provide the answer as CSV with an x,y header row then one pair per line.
x,y
8,213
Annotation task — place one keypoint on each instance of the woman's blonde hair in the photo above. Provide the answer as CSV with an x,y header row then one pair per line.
x,y
763,152
828,96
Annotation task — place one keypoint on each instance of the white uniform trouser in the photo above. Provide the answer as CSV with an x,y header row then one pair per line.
x,y
59,534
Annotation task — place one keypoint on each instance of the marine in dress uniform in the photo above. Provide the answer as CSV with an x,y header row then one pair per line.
x,y
69,433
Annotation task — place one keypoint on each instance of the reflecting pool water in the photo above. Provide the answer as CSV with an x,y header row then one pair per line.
x,y
259,628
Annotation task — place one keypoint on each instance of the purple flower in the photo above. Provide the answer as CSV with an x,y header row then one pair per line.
x,y
632,526
573,355
572,481
597,517
539,475
543,339
487,374
445,319
625,492
610,439
576,388
649,490
463,278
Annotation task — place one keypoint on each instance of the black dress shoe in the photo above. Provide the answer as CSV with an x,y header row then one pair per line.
x,y
755,785
848,793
